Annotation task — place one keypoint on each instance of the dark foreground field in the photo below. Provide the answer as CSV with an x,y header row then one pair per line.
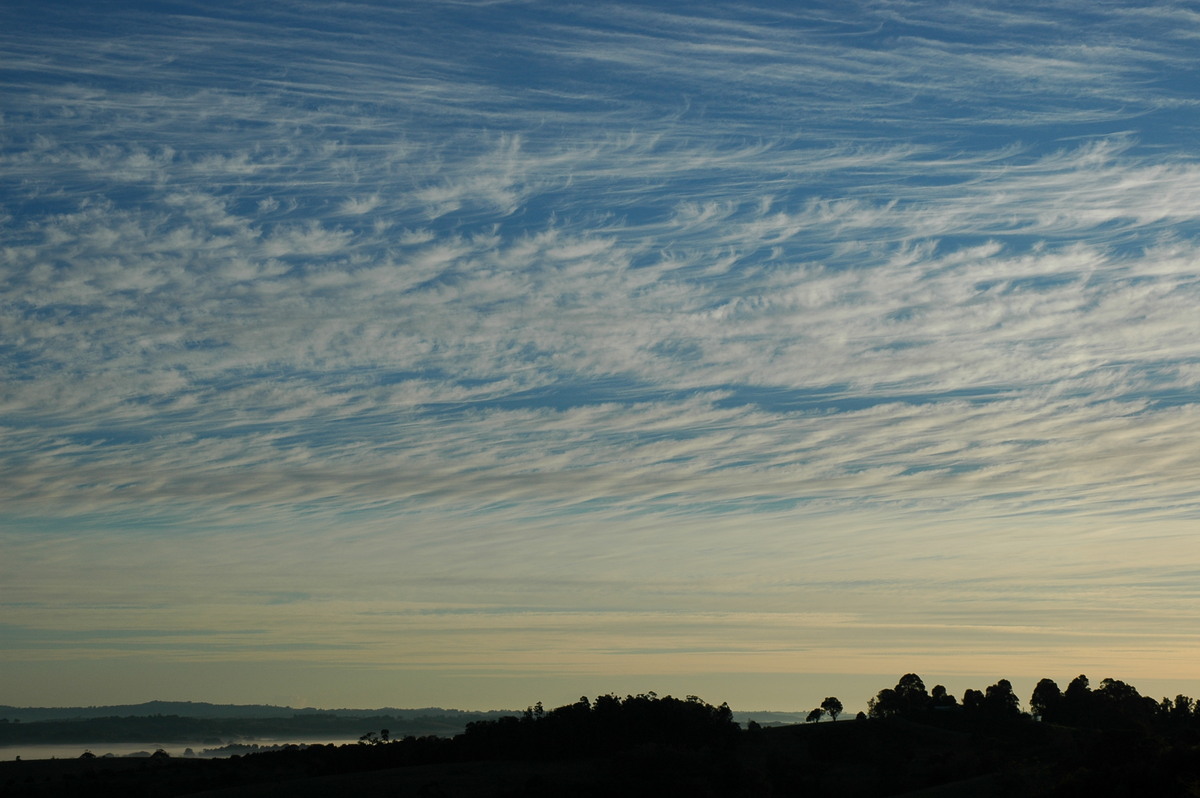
x,y
849,758
650,746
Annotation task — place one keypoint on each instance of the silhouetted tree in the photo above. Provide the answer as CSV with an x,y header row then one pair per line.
x,y
973,701
1077,701
535,712
885,704
1000,701
1120,704
938,697
1182,709
907,698
815,716
911,691
1079,689
1046,701
1117,691
1078,686
832,706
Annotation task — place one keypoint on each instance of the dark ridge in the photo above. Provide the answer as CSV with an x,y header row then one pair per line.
x,y
911,742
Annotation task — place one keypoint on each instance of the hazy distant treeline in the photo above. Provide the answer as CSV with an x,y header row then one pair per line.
x,y
175,728
203,709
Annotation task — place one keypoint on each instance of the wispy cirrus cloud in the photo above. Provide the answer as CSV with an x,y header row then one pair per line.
x,y
509,291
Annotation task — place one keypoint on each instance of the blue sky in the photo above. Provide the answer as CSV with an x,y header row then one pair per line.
x,y
480,353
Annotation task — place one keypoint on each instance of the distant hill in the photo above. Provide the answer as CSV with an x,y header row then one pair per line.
x,y
201,709
182,721
769,718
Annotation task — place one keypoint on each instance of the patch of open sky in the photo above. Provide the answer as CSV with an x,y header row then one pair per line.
x,y
279,597
521,609
210,645
564,396
150,519
1020,285
839,398
1173,124
1016,243
33,204
687,505
21,364
616,510
317,507
1170,398
29,634
843,399
954,469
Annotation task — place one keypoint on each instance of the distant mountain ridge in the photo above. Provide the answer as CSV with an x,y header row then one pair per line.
x,y
203,709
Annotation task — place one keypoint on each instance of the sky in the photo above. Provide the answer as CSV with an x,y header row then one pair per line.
x,y
479,353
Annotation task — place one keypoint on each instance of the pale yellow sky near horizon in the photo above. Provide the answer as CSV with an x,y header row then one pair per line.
x,y
746,626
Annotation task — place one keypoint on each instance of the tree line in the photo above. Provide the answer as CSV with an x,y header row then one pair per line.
x,y
604,725
1113,704
1080,741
